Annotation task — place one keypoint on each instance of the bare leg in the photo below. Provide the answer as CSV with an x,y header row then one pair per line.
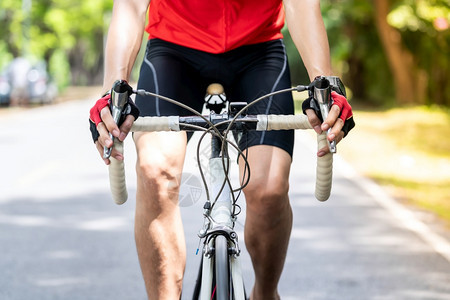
x,y
158,228
269,217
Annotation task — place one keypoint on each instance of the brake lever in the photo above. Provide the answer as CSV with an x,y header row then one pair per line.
x,y
322,93
119,97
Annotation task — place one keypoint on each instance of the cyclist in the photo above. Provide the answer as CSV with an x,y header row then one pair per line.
x,y
191,44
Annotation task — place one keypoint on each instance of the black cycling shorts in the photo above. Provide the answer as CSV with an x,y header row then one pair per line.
x,y
246,73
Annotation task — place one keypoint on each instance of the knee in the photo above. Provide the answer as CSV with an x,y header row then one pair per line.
x,y
267,195
158,178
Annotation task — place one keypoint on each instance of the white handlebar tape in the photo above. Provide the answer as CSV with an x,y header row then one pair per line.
x,y
324,170
282,122
170,123
117,176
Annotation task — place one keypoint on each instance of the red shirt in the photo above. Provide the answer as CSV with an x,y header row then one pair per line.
x,y
215,26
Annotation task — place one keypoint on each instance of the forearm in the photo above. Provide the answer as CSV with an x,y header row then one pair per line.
x,y
124,39
305,24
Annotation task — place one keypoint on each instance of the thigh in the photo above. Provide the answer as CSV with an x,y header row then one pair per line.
x,y
164,71
160,155
269,173
267,72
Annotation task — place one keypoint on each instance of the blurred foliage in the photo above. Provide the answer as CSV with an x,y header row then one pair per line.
x,y
359,57
299,75
357,54
424,26
69,36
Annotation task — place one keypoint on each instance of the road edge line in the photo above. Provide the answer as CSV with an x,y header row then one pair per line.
x,y
404,215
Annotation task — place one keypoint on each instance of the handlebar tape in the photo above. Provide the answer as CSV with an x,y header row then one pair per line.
x,y
117,180
282,122
324,170
170,123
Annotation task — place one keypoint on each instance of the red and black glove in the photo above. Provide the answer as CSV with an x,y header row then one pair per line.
x,y
94,114
338,98
346,111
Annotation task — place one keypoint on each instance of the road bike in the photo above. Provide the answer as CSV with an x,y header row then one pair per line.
x,y
220,275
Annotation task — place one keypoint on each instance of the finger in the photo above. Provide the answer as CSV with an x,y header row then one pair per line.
x,y
108,120
323,151
333,115
339,137
104,139
126,127
114,153
313,120
336,129
100,151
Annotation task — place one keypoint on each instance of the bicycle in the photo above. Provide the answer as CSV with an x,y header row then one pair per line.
x,y
220,275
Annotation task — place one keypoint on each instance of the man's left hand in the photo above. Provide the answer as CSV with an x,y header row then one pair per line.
x,y
339,119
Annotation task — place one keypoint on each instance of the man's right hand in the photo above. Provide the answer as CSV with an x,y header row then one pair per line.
x,y
102,123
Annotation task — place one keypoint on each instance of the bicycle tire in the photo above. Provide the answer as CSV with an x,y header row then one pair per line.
x,y
222,269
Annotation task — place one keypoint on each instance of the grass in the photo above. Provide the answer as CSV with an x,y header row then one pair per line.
x,y
407,151
433,197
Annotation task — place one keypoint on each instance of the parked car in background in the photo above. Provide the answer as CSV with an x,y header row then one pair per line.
x,y
40,88
25,83
5,90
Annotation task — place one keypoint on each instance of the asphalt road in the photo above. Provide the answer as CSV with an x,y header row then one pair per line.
x,y
62,237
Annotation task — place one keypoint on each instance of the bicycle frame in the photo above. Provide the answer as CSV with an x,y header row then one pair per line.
x,y
219,221
220,213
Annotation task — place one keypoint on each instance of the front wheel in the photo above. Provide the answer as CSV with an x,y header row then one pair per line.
x,y
222,266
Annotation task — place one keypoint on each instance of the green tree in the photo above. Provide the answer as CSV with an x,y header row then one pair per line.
x,y
63,33
390,51
423,30
357,53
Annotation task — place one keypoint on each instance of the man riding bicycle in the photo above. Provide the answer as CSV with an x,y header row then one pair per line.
x,y
191,44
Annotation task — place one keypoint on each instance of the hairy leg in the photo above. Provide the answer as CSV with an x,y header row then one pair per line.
x,y
158,228
269,217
